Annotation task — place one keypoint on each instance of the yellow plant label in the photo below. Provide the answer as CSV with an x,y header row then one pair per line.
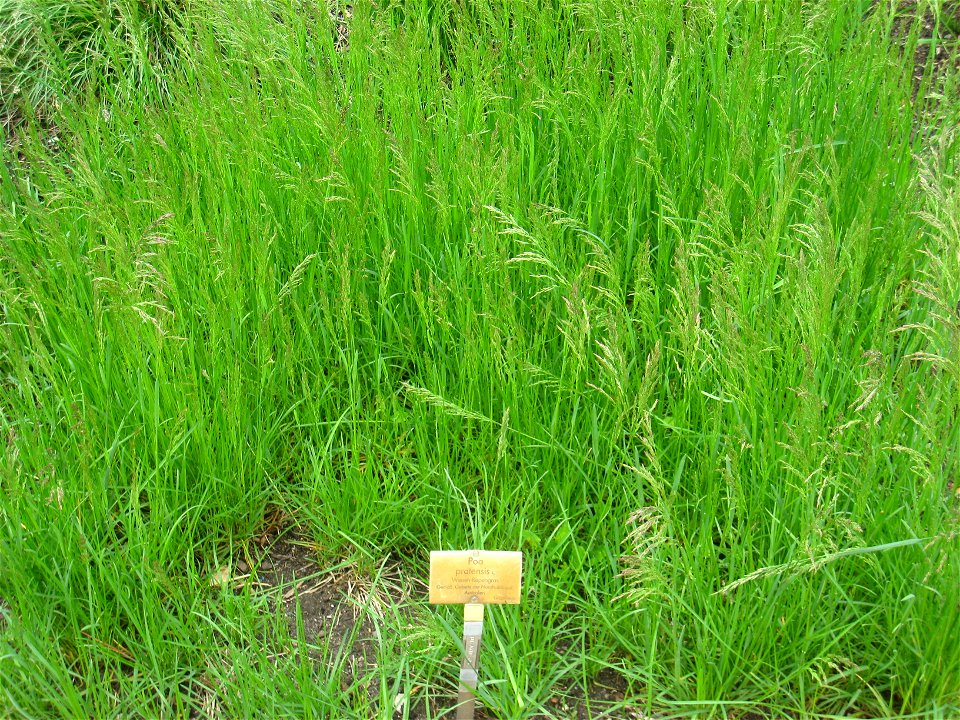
x,y
475,576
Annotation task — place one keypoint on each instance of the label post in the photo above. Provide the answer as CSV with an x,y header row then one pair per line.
x,y
469,668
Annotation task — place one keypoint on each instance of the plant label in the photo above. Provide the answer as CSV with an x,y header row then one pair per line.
x,y
475,577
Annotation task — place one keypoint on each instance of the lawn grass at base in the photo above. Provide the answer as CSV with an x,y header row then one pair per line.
x,y
662,294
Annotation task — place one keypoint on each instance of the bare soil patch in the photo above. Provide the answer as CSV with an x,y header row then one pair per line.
x,y
938,41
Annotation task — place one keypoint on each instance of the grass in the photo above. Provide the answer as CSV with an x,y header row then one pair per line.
x,y
662,294
53,47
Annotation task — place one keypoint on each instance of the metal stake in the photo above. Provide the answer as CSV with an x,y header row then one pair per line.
x,y
472,630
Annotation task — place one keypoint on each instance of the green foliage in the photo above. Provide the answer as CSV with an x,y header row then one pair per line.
x,y
663,294
52,48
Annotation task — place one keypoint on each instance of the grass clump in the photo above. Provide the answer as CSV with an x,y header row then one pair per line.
x,y
662,294
51,49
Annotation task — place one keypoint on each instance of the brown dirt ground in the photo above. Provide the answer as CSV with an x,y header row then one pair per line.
x,y
946,56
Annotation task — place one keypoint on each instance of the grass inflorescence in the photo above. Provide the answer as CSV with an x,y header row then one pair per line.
x,y
663,294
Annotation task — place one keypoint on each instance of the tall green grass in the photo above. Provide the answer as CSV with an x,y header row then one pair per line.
x,y
662,294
